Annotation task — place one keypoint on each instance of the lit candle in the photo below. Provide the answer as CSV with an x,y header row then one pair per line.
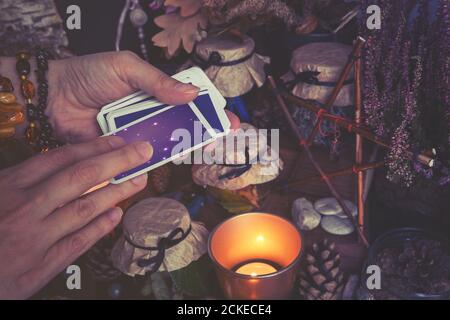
x,y
256,256
255,269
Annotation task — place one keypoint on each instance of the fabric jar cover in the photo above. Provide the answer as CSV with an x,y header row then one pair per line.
x,y
266,169
320,62
231,64
145,224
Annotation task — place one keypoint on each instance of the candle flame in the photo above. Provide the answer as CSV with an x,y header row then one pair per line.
x,y
260,238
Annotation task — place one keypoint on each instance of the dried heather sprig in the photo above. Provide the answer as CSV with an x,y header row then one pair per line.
x,y
406,73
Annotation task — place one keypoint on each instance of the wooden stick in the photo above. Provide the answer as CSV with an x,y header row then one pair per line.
x,y
359,146
326,179
354,55
334,174
350,126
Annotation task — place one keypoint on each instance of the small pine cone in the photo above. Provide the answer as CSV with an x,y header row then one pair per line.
x,y
159,179
321,278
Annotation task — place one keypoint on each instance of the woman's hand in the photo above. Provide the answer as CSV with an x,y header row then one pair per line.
x,y
46,223
79,87
46,220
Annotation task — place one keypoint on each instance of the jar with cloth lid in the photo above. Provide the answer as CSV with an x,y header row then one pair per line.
x,y
158,235
239,171
314,71
234,67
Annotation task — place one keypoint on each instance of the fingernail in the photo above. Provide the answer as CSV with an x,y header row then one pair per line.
x,y
186,88
116,142
145,150
140,180
115,215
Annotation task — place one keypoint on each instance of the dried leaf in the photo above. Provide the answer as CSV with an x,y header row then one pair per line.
x,y
178,31
239,201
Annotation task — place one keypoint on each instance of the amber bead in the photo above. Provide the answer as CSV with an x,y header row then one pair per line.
x,y
12,107
17,118
23,67
7,98
6,85
11,119
7,132
32,133
28,89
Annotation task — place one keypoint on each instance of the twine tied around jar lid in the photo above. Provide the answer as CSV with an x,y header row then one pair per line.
x,y
164,243
315,69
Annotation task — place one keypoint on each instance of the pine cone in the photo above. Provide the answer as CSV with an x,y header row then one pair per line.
x,y
99,263
418,258
159,179
322,278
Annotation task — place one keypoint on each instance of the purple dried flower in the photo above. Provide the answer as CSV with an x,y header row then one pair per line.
x,y
398,162
406,75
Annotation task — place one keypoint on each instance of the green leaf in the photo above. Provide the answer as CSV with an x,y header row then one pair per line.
x,y
198,279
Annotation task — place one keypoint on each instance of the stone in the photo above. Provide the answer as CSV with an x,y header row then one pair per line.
x,y
351,206
337,226
330,207
304,215
327,207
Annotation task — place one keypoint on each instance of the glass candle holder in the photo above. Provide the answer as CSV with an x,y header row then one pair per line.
x,y
256,256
